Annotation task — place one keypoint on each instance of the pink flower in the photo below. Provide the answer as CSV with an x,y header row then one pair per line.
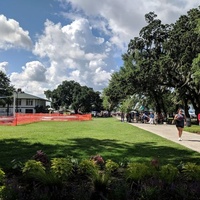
x,y
97,159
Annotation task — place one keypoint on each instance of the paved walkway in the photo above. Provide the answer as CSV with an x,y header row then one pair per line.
x,y
190,140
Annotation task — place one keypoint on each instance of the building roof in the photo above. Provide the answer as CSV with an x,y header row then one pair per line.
x,y
23,95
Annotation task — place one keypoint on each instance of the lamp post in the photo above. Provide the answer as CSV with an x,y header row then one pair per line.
x,y
15,103
2,89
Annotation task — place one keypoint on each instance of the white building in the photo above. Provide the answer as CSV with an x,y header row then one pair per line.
x,y
24,103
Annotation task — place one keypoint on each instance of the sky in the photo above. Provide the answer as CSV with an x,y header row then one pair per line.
x,y
45,42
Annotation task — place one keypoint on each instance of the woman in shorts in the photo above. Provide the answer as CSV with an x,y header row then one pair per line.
x,y
180,122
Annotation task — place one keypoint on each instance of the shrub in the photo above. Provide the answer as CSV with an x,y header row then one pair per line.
x,y
137,171
168,173
61,167
191,171
87,167
111,166
99,178
100,181
33,168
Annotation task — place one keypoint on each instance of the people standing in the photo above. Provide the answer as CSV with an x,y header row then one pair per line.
x,y
151,118
180,122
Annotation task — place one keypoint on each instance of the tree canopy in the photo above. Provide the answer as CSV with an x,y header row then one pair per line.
x,y
71,95
6,90
162,64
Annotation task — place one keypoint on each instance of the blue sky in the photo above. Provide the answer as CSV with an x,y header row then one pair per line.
x,y
44,42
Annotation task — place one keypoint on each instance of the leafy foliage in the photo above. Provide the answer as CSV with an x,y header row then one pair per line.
x,y
71,94
192,171
88,167
62,168
111,166
6,91
54,182
168,173
2,176
161,65
137,171
33,168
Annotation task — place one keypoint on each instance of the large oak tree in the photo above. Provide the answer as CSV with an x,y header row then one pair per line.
x,y
163,61
71,94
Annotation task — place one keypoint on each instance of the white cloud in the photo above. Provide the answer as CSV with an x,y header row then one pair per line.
x,y
126,18
12,35
32,79
3,67
73,51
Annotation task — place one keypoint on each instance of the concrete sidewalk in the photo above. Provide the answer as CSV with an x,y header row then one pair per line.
x,y
189,140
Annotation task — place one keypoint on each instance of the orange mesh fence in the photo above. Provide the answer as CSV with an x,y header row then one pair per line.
x,y
4,120
30,118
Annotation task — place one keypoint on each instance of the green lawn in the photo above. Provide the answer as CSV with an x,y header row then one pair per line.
x,y
193,129
105,136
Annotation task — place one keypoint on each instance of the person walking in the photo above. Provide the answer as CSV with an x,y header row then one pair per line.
x,y
180,120
151,118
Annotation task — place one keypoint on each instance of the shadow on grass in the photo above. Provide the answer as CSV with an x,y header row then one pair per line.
x,y
81,148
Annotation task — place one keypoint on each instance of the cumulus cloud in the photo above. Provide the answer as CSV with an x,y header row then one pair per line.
x,y
125,19
3,67
75,53
32,79
12,35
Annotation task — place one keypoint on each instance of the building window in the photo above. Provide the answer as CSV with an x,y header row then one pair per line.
x,y
19,102
29,102
29,110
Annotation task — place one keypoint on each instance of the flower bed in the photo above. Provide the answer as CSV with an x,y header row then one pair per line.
x,y
95,178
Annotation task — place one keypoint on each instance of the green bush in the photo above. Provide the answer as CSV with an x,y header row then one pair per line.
x,y
99,178
168,173
191,171
137,171
33,168
88,167
61,167
100,181
111,166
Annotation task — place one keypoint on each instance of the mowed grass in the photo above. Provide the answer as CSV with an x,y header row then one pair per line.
x,y
107,137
